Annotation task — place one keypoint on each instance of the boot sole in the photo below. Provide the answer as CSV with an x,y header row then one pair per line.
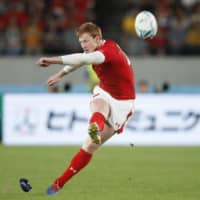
x,y
93,132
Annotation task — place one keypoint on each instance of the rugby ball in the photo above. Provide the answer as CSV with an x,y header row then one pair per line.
x,y
146,25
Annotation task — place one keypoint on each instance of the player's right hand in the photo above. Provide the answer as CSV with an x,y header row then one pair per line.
x,y
53,80
43,62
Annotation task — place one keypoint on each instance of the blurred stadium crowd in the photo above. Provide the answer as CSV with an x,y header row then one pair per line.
x,y
30,27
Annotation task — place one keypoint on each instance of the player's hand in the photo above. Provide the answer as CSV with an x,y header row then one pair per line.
x,y
44,62
53,80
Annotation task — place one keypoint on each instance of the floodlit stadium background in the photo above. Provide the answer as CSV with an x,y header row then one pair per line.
x,y
166,68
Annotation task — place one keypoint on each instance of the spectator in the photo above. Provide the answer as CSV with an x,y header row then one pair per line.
x,y
129,41
192,38
67,86
53,89
2,41
13,38
33,37
53,41
165,87
70,41
177,32
143,86
16,10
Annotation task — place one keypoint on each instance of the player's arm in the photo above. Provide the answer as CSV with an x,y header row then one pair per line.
x,y
75,60
72,61
81,59
59,75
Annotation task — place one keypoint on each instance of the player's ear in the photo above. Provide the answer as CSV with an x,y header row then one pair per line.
x,y
97,38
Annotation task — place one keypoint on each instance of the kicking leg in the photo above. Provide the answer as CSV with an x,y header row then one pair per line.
x,y
100,111
89,144
80,160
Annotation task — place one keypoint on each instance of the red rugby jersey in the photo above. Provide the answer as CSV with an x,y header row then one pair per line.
x,y
116,74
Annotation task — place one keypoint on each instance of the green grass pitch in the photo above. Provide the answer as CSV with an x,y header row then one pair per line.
x,y
115,173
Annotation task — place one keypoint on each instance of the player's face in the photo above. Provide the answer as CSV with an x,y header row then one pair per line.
x,y
88,43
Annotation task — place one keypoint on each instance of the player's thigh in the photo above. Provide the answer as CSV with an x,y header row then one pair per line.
x,y
100,105
91,147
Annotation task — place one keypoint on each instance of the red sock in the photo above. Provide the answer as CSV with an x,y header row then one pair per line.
x,y
80,160
99,119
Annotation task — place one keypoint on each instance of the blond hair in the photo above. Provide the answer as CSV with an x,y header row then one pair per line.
x,y
90,28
